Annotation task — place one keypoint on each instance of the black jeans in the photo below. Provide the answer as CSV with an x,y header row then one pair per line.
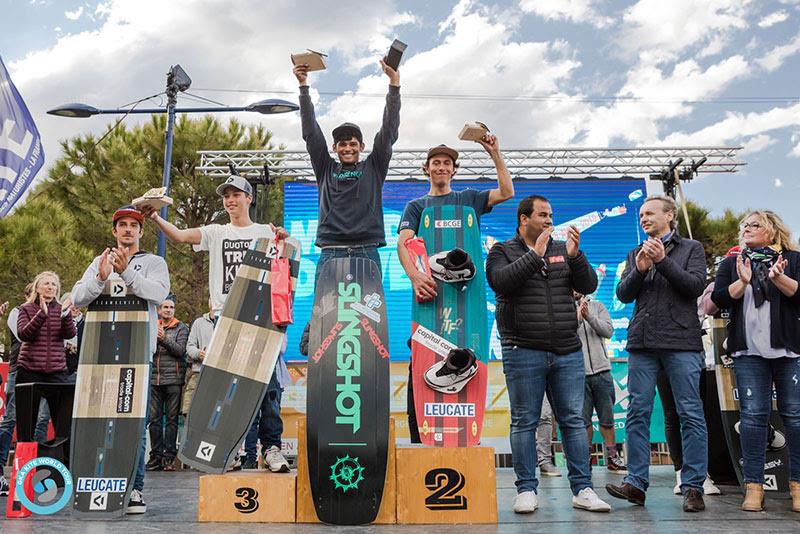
x,y
164,400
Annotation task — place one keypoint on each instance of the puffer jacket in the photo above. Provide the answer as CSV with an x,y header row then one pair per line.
x,y
169,362
535,306
42,335
665,316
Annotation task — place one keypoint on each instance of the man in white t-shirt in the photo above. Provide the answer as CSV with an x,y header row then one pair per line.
x,y
226,245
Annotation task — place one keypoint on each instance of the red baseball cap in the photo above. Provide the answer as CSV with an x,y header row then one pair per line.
x,y
128,211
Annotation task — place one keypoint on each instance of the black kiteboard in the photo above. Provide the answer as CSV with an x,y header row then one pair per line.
x,y
242,354
110,402
348,392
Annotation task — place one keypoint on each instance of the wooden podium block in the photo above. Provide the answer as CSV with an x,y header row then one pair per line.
x,y
252,497
452,486
306,513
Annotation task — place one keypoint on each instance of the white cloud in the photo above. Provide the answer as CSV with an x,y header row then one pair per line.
x,y
778,55
773,19
659,31
778,182
579,11
136,41
57,29
74,15
757,143
737,126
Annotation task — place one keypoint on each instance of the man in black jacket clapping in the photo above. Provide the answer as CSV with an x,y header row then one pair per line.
x,y
533,277
665,276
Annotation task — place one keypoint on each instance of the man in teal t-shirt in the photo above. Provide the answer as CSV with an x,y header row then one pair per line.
x,y
440,167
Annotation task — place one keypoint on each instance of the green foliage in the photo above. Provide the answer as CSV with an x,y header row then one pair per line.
x,y
717,234
67,219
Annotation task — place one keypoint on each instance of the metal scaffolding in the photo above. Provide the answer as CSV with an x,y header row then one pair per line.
x,y
475,163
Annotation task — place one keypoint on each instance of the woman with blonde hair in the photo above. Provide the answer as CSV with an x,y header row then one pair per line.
x,y
760,288
43,325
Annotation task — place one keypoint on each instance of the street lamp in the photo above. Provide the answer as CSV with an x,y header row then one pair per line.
x,y
177,82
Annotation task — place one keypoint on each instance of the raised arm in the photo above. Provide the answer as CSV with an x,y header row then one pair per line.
x,y
387,135
505,186
312,133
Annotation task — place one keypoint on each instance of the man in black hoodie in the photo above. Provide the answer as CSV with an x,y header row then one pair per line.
x,y
350,190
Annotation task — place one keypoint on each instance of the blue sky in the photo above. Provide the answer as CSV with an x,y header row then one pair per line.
x,y
664,53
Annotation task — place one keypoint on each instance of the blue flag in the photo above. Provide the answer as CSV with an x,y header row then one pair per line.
x,y
21,153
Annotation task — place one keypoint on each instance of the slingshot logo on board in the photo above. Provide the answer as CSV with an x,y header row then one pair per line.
x,y
348,358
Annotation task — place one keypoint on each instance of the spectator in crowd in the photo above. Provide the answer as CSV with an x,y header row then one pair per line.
x,y
146,276
71,353
594,327
166,383
759,287
9,420
665,276
43,324
199,338
544,441
533,277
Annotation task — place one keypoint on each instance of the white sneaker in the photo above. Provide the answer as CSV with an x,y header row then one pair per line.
x,y
275,460
709,488
526,502
4,488
677,489
587,499
136,503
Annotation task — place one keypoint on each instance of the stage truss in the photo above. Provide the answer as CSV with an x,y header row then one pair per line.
x,y
653,162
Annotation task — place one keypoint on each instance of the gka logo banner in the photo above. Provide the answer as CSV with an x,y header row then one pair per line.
x,y
46,498
21,154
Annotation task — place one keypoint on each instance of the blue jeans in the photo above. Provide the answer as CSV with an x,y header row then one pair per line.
x,y
9,420
528,373
267,425
42,422
138,481
683,370
369,252
754,378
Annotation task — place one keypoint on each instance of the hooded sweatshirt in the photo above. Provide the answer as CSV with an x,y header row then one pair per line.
x,y
351,196
146,276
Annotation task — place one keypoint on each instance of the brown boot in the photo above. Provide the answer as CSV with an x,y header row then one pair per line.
x,y
754,498
794,489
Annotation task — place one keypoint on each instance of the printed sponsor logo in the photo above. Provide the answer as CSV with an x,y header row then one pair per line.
x,y
205,451
771,482
446,409
555,259
437,344
118,288
375,339
98,501
127,380
46,499
447,223
450,325
364,310
101,485
329,339
348,358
